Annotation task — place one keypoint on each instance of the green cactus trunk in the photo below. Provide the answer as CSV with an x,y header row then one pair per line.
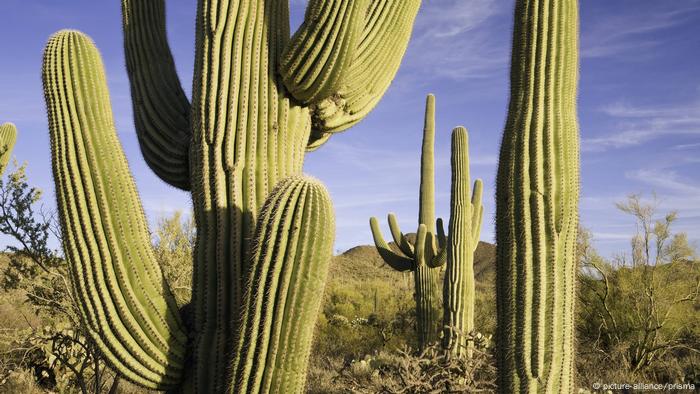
x,y
459,291
260,99
537,203
427,276
247,136
8,137
427,254
427,304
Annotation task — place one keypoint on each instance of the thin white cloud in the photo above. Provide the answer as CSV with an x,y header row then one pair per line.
x,y
371,158
665,179
686,146
619,34
454,39
639,125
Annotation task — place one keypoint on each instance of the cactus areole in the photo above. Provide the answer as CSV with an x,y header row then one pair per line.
x,y
537,203
264,234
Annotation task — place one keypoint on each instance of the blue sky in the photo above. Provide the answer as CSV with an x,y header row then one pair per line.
x,y
639,108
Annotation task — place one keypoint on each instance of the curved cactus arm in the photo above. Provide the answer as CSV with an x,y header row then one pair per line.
x,y
317,140
394,260
441,237
440,258
387,29
421,238
477,212
399,238
125,303
319,55
161,110
8,137
290,260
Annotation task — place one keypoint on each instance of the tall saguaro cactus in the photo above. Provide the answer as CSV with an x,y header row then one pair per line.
x,y
428,252
537,203
459,291
260,99
8,137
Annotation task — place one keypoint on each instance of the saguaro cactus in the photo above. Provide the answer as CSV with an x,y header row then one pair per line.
x,y
428,251
459,290
260,99
8,137
537,203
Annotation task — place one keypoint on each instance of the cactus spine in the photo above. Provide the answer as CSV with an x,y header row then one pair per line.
x,y
428,251
459,290
8,137
257,106
537,203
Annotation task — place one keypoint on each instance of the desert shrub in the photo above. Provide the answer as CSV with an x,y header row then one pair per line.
x,y
19,381
42,336
407,371
367,308
56,350
638,313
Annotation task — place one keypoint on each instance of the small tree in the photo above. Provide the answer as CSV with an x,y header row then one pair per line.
x,y
59,352
637,308
173,245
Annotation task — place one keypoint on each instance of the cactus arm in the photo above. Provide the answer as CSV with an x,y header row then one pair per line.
x,y
319,55
318,141
537,202
161,110
382,44
293,248
399,239
394,260
477,212
441,237
421,238
426,204
125,303
8,137
440,258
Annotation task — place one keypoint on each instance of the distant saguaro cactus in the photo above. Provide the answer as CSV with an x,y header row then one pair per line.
x,y
537,203
466,214
8,137
428,252
260,99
